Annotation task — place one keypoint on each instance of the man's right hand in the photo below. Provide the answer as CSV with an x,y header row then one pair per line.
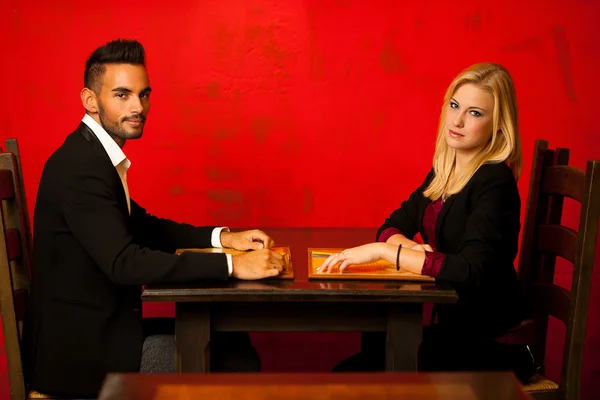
x,y
257,264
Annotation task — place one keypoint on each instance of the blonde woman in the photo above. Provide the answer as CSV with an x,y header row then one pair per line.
x,y
467,211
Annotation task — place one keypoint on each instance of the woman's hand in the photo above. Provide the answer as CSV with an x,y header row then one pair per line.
x,y
421,247
357,255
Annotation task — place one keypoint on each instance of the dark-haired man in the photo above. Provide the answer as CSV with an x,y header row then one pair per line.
x,y
94,247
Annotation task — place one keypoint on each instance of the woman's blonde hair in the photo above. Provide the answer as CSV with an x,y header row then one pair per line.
x,y
505,142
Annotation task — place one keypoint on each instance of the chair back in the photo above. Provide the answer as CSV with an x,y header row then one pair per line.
x,y
545,239
14,273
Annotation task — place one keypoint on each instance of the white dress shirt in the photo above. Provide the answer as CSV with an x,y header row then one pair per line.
x,y
122,164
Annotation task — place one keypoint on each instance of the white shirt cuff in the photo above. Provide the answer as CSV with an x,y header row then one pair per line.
x,y
229,263
215,239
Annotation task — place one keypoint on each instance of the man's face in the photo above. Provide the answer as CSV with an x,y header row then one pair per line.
x,y
124,101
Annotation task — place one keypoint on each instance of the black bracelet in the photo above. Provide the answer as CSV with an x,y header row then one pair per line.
x,y
398,258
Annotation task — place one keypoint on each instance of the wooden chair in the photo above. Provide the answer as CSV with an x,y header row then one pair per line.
x,y
12,146
14,276
544,239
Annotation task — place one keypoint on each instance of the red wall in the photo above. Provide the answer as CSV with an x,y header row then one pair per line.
x,y
301,113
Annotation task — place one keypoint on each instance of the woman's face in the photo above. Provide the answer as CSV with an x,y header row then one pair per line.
x,y
469,119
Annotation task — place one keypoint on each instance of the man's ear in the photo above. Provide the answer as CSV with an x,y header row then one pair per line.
x,y
89,99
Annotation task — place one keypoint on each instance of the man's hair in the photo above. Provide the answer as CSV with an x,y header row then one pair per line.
x,y
115,52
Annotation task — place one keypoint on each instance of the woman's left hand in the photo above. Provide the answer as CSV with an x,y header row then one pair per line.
x,y
357,255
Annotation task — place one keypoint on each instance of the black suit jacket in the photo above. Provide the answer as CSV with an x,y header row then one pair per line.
x,y
90,259
478,231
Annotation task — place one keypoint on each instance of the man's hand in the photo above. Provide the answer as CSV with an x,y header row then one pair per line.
x,y
257,264
246,240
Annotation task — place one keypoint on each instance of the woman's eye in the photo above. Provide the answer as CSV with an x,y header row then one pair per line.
x,y
453,104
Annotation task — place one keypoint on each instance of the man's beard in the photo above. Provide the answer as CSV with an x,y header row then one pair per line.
x,y
116,129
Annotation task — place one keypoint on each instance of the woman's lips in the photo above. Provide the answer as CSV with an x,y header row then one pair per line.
x,y
455,134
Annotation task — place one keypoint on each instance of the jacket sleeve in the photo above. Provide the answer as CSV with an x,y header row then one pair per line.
x,y
166,235
491,235
92,213
406,218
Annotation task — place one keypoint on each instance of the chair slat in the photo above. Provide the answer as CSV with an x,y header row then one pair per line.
x,y
557,240
551,299
13,244
564,180
7,188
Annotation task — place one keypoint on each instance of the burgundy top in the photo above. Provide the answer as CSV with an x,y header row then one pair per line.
x,y
433,260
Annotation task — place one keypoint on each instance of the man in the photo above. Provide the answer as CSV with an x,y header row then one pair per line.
x,y
94,248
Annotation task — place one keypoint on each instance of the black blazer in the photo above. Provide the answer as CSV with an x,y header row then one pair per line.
x,y
478,231
90,259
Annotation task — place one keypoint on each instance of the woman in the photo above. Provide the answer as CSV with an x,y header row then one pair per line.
x,y
467,211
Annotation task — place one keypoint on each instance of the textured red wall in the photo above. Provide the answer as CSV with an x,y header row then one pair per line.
x,y
301,113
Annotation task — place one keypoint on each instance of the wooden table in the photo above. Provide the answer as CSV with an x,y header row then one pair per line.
x,y
302,305
373,386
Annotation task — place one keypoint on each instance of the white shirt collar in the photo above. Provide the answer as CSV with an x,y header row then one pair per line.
x,y
115,153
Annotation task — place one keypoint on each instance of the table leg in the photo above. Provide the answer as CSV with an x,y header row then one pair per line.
x,y
404,335
192,337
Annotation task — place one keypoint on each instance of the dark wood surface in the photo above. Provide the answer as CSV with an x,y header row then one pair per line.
x,y
313,291
301,289
373,386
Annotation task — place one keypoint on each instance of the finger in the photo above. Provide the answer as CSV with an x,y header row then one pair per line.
x,y
326,263
274,260
268,242
259,235
270,265
345,265
278,256
255,246
333,262
428,248
272,272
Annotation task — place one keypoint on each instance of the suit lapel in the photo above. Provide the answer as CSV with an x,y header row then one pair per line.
x,y
440,219
89,135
